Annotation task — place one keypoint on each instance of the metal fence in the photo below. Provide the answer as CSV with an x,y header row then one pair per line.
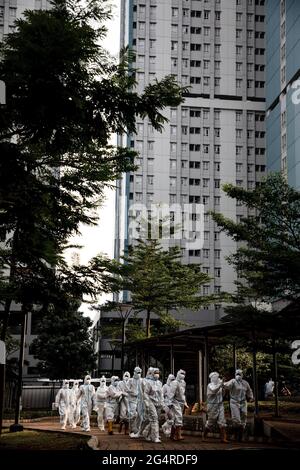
x,y
34,397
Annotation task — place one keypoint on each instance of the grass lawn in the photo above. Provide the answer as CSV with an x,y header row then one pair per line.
x,y
34,440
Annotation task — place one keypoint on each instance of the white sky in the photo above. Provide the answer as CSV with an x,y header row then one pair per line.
x,y
101,238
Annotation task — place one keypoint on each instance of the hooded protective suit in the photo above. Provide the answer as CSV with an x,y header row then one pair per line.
x,y
177,396
74,416
135,402
239,391
215,407
62,401
168,409
153,402
86,395
167,390
113,395
100,402
123,386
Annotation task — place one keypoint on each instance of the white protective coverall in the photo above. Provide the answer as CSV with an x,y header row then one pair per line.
x,y
86,395
123,386
113,396
153,402
135,402
177,395
239,391
62,402
74,416
100,402
169,423
215,407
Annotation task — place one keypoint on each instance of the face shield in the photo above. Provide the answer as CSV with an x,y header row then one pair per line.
x,y
170,379
65,384
75,384
137,373
214,378
114,380
156,374
87,379
102,382
126,376
238,375
181,374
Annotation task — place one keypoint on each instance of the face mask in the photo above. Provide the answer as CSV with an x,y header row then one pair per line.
x,y
214,379
238,377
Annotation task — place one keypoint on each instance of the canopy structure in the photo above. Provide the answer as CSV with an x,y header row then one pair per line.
x,y
189,349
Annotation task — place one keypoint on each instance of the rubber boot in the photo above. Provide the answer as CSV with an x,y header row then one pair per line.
x,y
172,435
178,436
205,432
240,434
110,427
223,435
126,429
120,427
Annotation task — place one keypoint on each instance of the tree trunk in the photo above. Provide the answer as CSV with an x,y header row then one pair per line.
x,y
8,301
148,334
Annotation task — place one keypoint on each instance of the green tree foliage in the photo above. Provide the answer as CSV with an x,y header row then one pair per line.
x,y
269,259
156,279
64,345
64,99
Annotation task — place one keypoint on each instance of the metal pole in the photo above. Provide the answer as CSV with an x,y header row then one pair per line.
x,y
275,372
2,381
206,367
16,427
200,376
234,357
122,347
172,359
255,386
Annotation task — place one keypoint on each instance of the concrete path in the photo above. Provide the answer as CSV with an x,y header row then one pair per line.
x,y
121,442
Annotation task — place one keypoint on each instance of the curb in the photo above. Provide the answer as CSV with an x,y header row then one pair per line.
x,y
93,442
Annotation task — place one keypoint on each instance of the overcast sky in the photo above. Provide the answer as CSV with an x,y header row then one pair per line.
x,y
101,238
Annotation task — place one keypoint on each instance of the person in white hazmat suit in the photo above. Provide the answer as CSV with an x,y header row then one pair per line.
x,y
123,385
215,407
177,396
100,402
168,409
86,395
135,402
143,417
62,402
153,402
239,391
113,396
74,415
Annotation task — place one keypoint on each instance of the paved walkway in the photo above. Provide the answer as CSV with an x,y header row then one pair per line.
x,y
121,442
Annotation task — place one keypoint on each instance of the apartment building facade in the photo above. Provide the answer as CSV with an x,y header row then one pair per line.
x,y
216,136
283,88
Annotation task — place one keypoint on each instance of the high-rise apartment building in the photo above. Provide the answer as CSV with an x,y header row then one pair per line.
x,y
283,88
10,10
216,136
